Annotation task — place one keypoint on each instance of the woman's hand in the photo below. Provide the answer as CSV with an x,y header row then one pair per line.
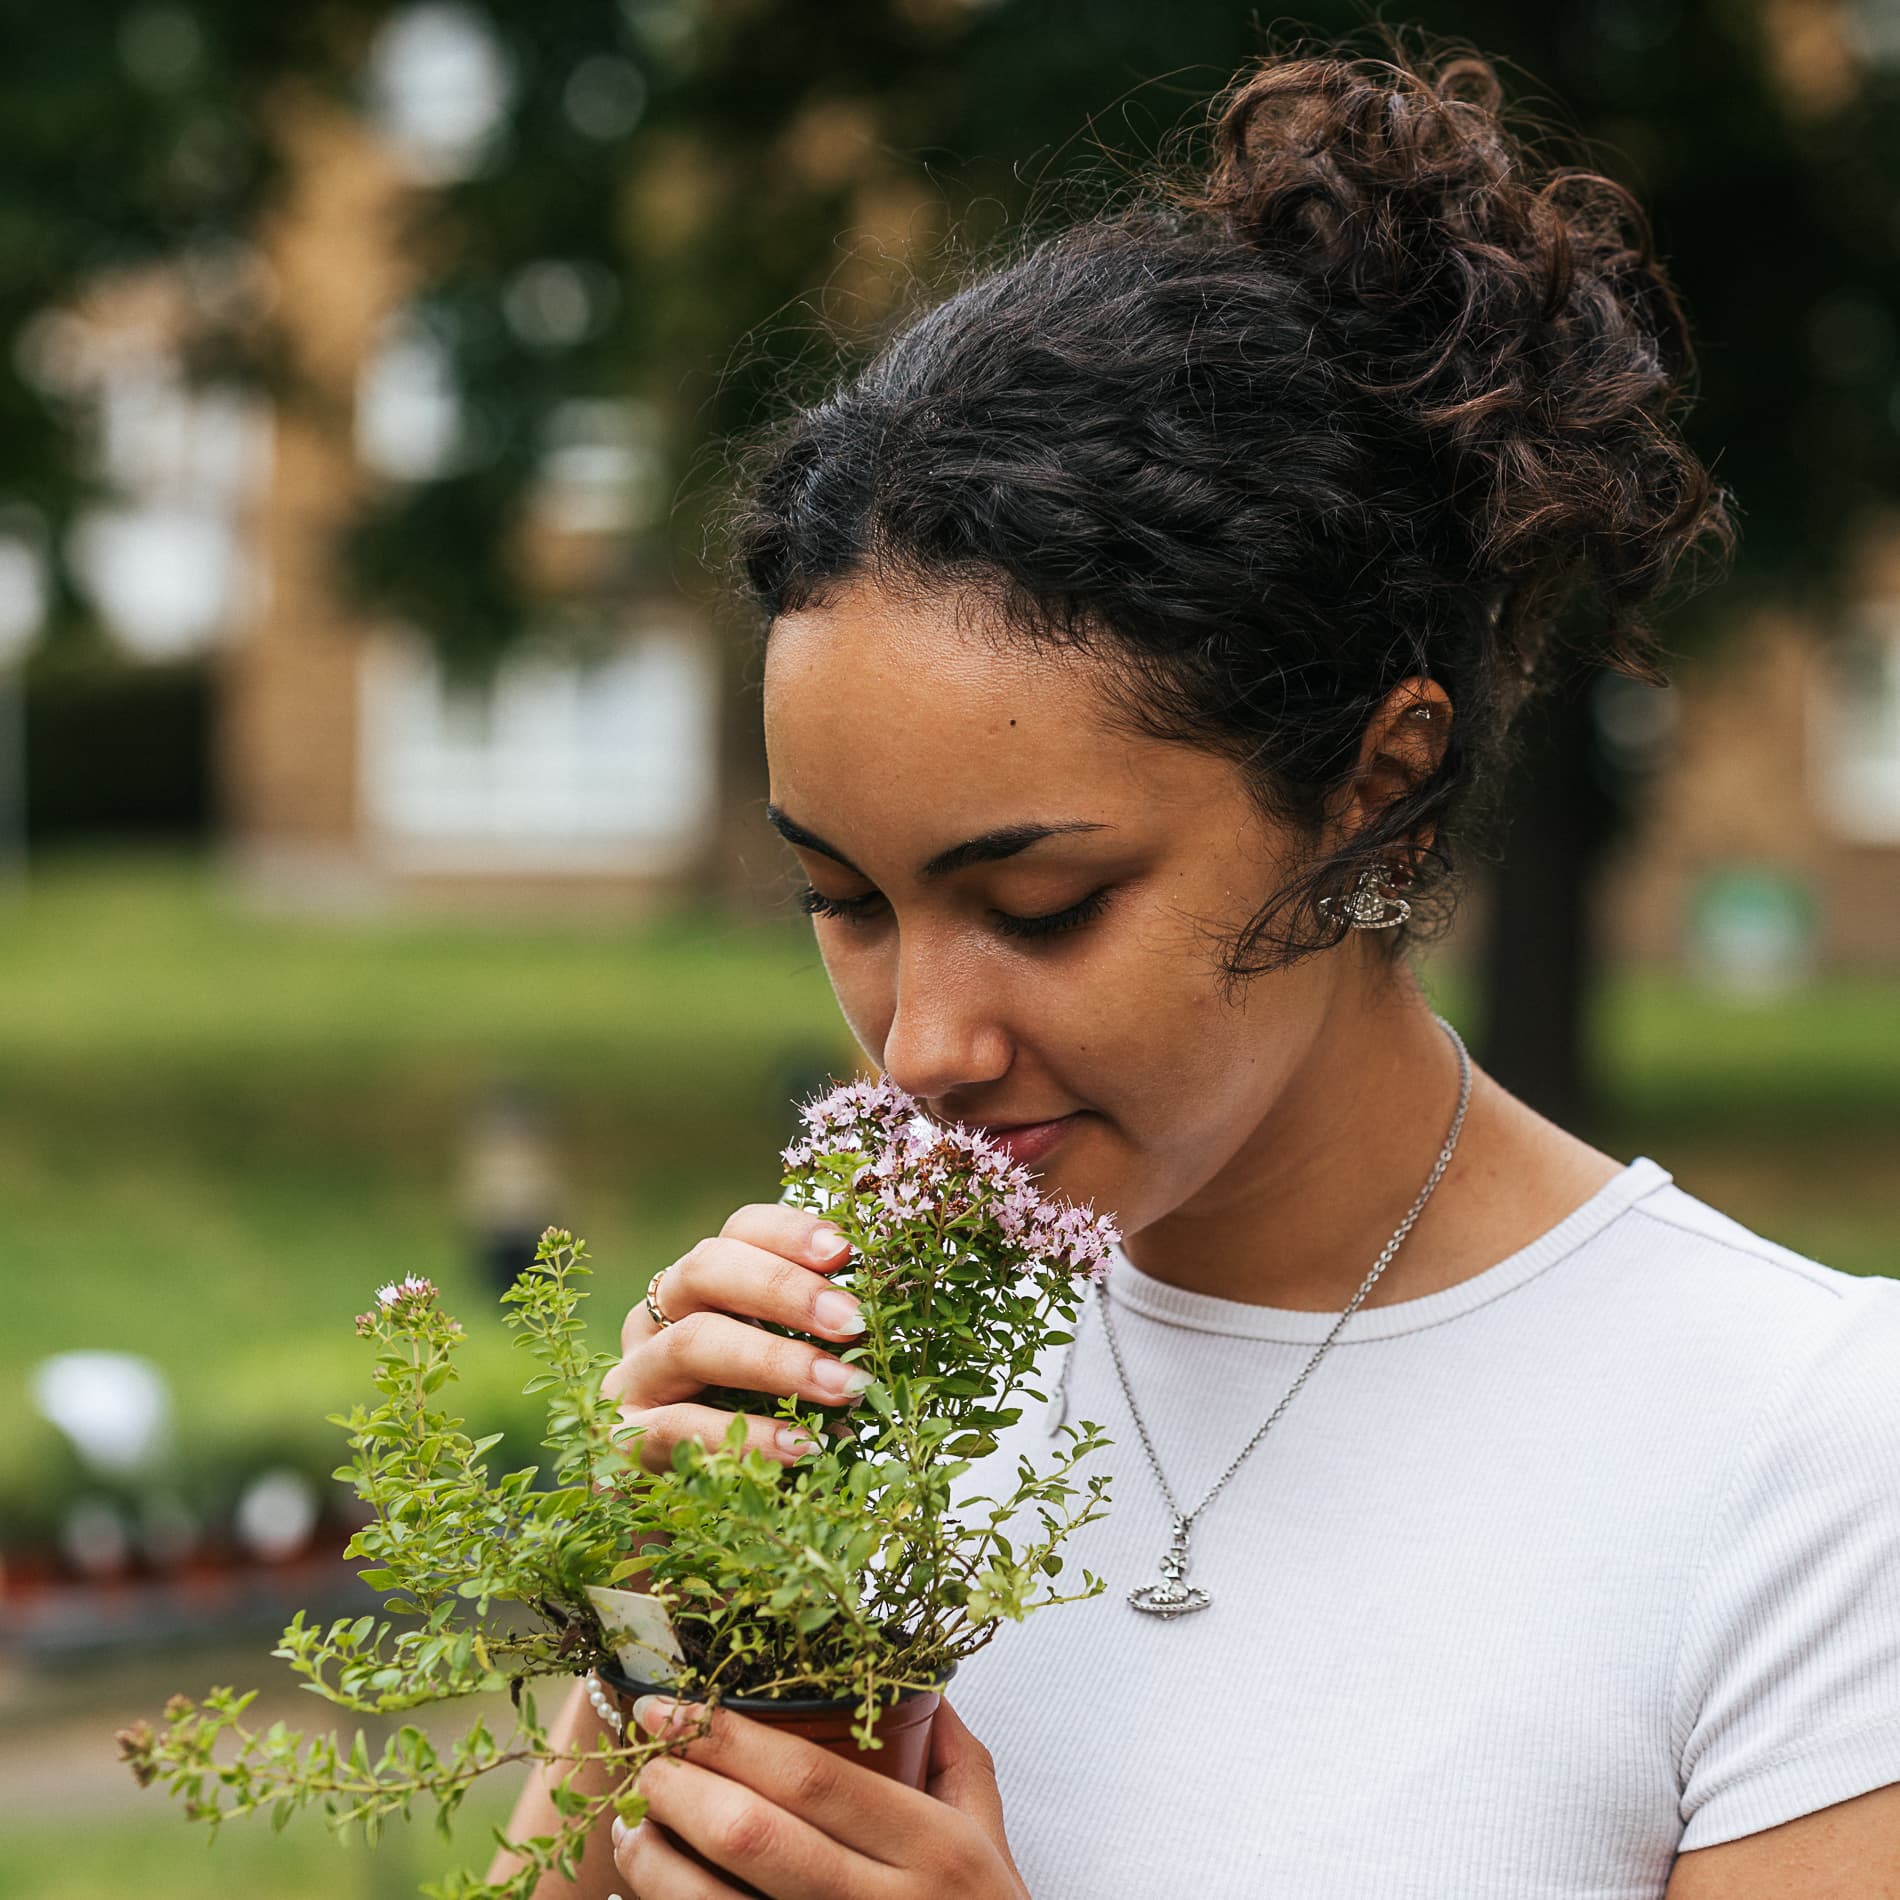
x,y
768,1262
785,1818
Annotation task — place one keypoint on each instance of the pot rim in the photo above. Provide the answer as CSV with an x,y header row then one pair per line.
x,y
633,1687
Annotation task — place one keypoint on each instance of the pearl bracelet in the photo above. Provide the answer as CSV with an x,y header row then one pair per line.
x,y
597,1695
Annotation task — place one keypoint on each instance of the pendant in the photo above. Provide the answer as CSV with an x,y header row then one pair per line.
x,y
1173,1595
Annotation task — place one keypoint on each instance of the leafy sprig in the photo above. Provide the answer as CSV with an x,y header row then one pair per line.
x,y
859,1572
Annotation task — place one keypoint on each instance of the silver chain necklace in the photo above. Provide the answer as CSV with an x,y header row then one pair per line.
x,y
1173,1595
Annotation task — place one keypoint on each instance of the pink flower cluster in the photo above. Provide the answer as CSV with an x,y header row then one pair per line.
x,y
918,1166
401,1298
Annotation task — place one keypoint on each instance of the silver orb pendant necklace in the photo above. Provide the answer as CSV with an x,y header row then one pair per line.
x,y
1171,1595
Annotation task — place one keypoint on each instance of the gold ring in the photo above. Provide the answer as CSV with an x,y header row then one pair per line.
x,y
660,1318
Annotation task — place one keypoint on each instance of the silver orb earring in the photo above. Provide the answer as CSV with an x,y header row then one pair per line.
x,y
1371,905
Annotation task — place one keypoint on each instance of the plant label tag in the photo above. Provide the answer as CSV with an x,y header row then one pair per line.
x,y
645,1646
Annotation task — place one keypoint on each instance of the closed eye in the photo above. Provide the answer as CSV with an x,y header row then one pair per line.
x,y
859,910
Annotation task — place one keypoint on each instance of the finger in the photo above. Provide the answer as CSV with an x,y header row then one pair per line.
x,y
707,1348
796,1232
780,1233
665,1426
748,1838
851,1804
655,1867
963,1774
733,1276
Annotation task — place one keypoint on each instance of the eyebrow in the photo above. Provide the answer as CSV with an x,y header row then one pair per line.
x,y
985,848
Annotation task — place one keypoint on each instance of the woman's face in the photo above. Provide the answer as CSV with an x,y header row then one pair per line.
x,y
1016,900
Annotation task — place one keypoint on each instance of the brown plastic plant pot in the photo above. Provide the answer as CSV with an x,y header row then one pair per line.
x,y
903,1726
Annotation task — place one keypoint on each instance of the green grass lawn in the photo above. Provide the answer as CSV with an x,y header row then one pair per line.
x,y
75,1826
159,1857
219,1132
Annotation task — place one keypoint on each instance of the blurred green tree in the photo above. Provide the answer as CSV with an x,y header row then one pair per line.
x,y
659,208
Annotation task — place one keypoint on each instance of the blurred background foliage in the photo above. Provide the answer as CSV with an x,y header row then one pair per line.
x,y
679,205
640,196
223,1122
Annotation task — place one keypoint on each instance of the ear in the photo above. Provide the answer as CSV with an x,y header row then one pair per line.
x,y
1401,748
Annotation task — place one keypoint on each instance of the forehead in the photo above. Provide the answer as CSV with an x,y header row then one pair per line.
x,y
871,655
878,701
899,727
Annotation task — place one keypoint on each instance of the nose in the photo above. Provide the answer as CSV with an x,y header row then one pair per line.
x,y
946,1029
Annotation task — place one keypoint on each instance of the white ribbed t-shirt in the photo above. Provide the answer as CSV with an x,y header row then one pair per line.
x,y
1541,1580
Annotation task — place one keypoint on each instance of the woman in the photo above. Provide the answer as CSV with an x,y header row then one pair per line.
x,y
1148,625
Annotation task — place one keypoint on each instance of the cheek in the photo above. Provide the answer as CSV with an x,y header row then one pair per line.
x,y
864,991
1154,1016
1181,1074
1140,1033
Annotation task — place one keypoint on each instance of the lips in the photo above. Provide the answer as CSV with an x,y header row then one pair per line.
x,y
1027,1142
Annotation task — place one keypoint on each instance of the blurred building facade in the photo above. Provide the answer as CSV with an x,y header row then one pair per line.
x,y
355,766
1781,766
619,767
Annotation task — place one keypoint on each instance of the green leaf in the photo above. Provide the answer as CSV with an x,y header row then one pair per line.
x,y
965,1384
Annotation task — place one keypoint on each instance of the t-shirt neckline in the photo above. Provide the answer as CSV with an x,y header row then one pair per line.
x,y
1156,1299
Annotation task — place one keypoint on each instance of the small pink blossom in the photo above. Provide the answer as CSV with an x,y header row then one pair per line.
x,y
918,1170
414,1287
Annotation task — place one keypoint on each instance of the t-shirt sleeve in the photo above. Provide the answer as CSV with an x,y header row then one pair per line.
x,y
1788,1674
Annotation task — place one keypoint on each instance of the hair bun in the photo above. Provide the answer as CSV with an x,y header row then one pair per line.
x,y
1512,310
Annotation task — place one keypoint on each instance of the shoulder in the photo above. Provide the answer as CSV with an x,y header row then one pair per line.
x,y
1760,1357
1788,1660
1750,1307
1787,1672
1798,1360
1692,1229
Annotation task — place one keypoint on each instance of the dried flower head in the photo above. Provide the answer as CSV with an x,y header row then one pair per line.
x,y
136,1743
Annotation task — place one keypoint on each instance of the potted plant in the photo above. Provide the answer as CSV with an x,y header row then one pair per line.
x,y
837,1594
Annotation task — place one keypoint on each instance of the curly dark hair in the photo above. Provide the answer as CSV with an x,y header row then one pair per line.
x,y
1370,389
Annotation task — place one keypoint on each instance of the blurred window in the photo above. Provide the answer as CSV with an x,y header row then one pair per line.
x,y
24,582
598,763
1855,728
600,467
161,559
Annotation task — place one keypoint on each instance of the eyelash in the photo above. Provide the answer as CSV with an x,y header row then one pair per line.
x,y
1052,923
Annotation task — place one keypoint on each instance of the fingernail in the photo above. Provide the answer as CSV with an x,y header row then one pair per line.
x,y
825,1241
655,1711
837,1312
790,1439
843,1381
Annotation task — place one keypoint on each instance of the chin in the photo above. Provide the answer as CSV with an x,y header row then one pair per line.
x,y
1079,1171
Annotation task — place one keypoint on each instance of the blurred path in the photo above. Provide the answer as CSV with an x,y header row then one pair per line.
x,y
57,1756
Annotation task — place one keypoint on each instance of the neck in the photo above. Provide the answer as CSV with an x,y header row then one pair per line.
x,y
1300,1213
